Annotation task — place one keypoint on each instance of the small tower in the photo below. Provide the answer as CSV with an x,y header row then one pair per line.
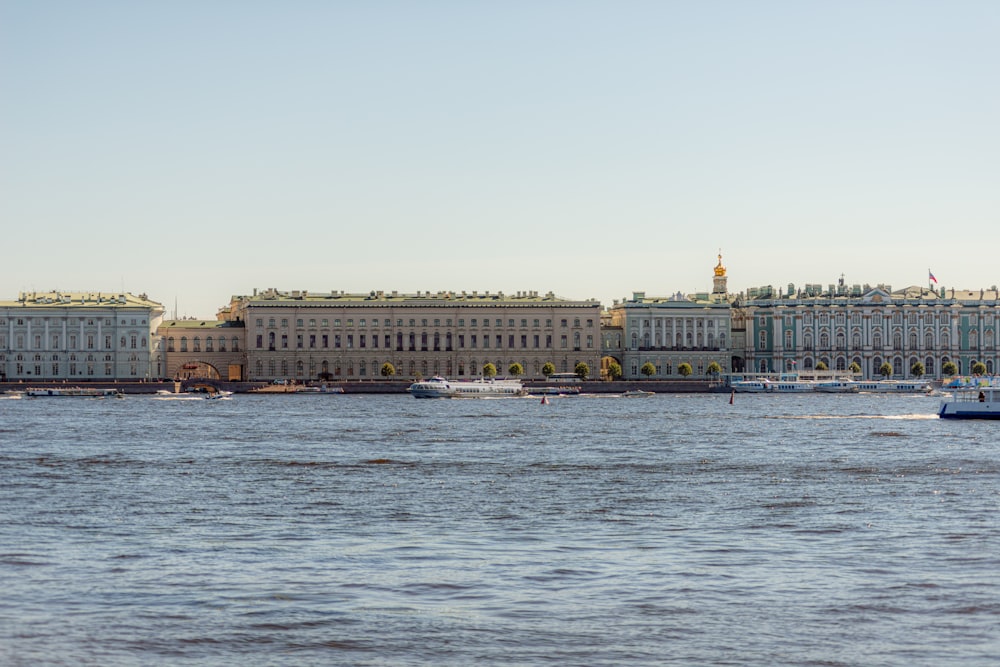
x,y
719,282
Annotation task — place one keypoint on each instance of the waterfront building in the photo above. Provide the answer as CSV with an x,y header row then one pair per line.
x,y
210,349
797,328
672,330
76,336
339,336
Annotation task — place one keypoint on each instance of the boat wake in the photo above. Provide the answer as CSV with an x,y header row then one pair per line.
x,y
917,416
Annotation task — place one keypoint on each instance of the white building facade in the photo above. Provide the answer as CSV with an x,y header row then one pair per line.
x,y
79,336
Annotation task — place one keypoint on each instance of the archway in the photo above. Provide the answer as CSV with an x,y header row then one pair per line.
x,y
197,369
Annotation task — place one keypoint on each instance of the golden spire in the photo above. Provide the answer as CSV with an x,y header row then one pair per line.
x,y
720,270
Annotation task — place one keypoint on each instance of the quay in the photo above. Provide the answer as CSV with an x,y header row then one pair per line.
x,y
364,386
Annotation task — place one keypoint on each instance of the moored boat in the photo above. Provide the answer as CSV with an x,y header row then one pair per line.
x,y
72,392
837,387
894,386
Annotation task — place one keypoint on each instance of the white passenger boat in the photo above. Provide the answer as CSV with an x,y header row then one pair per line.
x,y
973,402
894,386
439,387
766,386
72,392
837,387
751,386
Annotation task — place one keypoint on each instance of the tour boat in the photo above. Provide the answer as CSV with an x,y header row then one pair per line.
x,y
894,386
973,402
439,387
72,392
766,386
837,387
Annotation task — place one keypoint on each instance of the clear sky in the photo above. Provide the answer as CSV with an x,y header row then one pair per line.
x,y
194,150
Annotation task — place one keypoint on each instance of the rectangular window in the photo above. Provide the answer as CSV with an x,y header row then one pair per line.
x,y
361,340
472,341
326,340
524,341
298,341
536,341
284,341
499,341
336,341
461,341
563,342
510,341
312,340
260,341
350,341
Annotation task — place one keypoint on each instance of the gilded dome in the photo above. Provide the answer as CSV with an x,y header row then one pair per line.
x,y
720,270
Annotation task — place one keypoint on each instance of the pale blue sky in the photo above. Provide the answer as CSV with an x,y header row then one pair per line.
x,y
195,150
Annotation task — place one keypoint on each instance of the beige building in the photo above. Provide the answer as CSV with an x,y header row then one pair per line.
x,y
338,336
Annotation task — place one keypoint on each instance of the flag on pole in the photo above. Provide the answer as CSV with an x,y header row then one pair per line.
x,y
930,276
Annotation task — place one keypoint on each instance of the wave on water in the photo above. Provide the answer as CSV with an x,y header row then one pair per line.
x,y
915,416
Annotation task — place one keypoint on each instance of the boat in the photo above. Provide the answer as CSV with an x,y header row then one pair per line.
x,y
980,401
439,387
216,395
72,392
637,393
766,386
837,387
894,386
751,386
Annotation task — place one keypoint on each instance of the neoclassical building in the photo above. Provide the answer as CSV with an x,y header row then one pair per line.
x,y
77,336
339,336
840,325
669,331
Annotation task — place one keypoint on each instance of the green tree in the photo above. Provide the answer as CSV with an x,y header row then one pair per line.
x,y
648,369
821,366
548,369
614,370
979,368
885,370
854,368
582,370
489,370
388,370
713,369
949,368
515,369
917,369
684,369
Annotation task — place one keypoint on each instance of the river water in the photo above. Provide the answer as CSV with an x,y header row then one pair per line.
x,y
382,530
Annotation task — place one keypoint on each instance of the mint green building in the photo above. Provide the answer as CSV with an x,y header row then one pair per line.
x,y
798,328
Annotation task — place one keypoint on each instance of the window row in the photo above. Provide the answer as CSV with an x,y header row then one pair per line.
x,y
423,342
134,341
211,344
424,322
326,370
